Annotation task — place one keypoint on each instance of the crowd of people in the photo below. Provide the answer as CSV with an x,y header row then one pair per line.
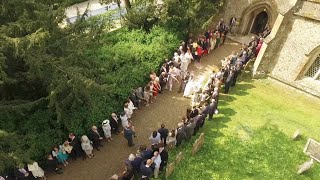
x,y
149,160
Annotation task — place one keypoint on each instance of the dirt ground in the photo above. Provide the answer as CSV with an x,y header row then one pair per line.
x,y
168,108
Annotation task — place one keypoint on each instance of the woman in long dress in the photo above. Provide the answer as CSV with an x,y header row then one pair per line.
x,y
86,146
213,41
124,120
36,170
189,87
61,155
107,129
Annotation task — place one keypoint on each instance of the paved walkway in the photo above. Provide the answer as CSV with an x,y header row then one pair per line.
x,y
168,108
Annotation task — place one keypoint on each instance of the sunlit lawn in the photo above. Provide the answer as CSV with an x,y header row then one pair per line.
x,y
251,136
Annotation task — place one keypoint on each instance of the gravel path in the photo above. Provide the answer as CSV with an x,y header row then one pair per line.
x,y
168,108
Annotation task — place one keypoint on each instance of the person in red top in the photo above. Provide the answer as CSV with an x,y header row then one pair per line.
x,y
199,53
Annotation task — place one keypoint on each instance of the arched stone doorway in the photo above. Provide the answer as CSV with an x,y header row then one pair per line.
x,y
256,17
259,23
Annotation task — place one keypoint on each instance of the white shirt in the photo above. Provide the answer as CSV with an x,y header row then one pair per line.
x,y
157,160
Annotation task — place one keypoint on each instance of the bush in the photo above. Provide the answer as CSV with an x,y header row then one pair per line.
x,y
97,84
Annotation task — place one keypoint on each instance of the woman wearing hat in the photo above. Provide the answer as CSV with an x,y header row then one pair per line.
x,y
107,129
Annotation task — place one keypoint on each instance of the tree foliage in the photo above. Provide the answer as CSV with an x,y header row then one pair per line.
x,y
188,16
57,80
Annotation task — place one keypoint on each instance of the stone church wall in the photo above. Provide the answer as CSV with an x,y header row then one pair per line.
x,y
303,38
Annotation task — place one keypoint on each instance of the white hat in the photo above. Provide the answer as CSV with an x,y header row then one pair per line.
x,y
105,122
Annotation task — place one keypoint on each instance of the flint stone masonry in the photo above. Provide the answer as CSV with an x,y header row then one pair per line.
x,y
303,38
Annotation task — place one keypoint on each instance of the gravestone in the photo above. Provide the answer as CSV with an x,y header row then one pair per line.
x,y
305,166
312,149
170,169
179,158
195,147
201,139
296,135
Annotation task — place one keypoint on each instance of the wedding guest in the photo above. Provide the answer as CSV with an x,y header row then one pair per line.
x,y
145,170
61,155
127,110
114,123
21,172
190,129
95,137
128,134
67,148
124,119
107,130
172,139
75,143
155,137
86,146
157,161
36,170
164,156
163,134
156,87
180,134
52,164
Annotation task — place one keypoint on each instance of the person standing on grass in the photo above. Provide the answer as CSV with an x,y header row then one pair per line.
x,y
228,82
212,109
128,134
163,134
190,129
164,156
157,161
180,134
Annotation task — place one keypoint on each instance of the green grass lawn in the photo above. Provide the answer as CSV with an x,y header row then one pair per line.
x,y
250,138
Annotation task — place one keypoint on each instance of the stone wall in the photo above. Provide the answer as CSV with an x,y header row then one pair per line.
x,y
303,38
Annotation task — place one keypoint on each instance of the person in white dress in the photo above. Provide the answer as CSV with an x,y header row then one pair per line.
x,y
128,110
36,170
124,120
86,146
184,62
189,56
176,57
171,78
189,87
107,129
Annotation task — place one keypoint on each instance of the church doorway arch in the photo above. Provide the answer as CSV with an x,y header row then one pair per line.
x,y
256,17
259,23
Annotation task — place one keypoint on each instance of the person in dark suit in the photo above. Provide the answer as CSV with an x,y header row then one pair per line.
x,y
52,165
146,170
95,137
228,82
181,134
163,134
76,146
237,72
128,134
163,81
212,109
21,172
114,123
164,156
202,119
190,129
